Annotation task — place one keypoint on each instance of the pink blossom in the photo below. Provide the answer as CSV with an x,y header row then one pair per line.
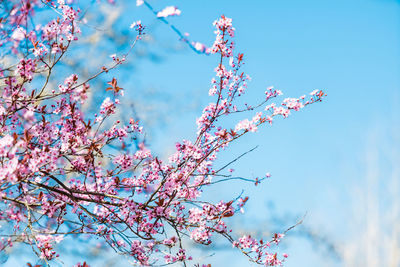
x,y
107,107
202,48
246,125
19,34
26,68
134,24
138,26
169,11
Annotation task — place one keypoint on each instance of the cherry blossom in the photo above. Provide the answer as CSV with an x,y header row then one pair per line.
x,y
60,171
169,11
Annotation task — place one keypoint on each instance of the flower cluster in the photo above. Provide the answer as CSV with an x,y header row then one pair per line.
x,y
65,171
45,245
169,11
138,26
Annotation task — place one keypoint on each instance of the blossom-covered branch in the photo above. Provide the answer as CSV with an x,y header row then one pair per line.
x,y
59,173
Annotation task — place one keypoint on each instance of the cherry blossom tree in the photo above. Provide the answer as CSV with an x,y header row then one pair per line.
x,y
68,172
